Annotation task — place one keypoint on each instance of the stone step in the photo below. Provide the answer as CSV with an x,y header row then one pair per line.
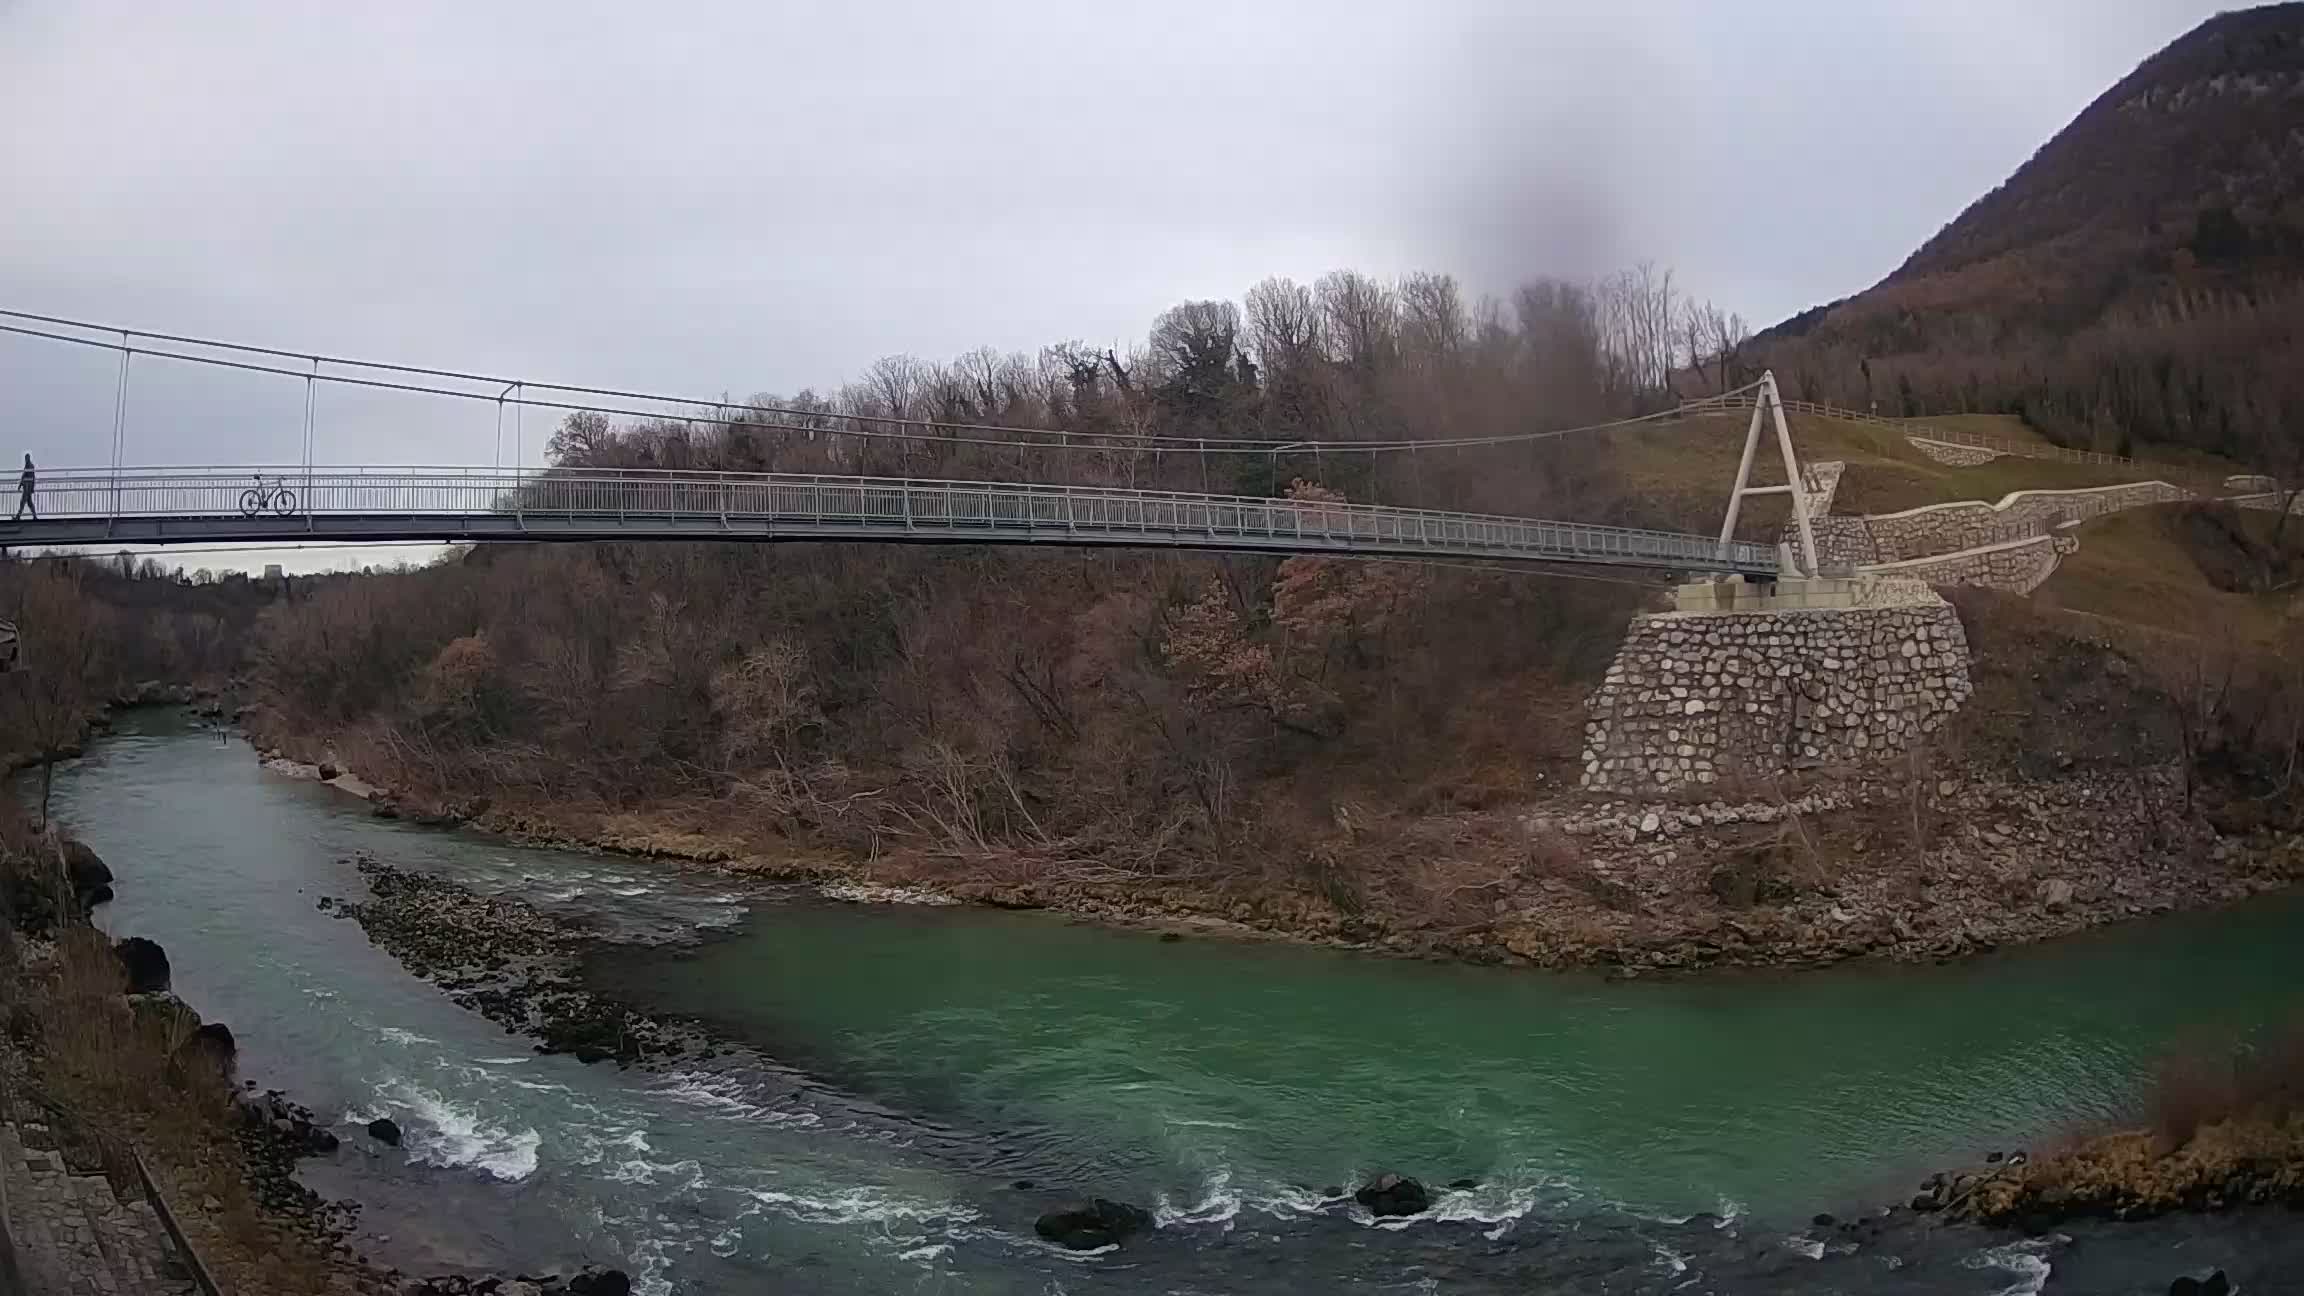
x,y
74,1234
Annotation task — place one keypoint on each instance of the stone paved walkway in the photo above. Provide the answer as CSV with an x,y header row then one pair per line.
x,y
74,1236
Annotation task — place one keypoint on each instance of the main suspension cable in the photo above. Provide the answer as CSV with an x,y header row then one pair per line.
x,y
820,422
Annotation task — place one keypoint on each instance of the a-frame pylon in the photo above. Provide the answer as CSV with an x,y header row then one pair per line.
x,y
1766,403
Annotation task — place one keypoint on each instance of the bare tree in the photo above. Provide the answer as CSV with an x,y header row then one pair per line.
x,y
1284,325
1639,328
1434,326
45,701
1561,341
581,440
1712,339
1361,319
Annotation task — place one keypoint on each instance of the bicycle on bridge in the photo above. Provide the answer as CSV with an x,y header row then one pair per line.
x,y
276,498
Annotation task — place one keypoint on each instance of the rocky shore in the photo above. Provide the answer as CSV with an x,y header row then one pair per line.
x,y
266,1133
1913,868
507,962
2136,1175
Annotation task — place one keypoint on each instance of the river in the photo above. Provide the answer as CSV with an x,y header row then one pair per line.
x,y
907,1087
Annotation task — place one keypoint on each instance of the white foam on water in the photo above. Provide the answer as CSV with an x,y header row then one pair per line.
x,y
395,1035
661,1174
927,1255
1669,1260
1218,1204
727,1095
438,1132
650,1267
1499,1203
1290,1200
725,1242
631,890
505,1061
860,1205
2022,1259
1808,1247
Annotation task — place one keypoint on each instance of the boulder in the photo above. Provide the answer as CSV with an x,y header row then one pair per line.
x,y
146,964
2056,893
1100,1223
328,771
2215,1284
214,1043
1391,1194
384,1130
91,879
593,1280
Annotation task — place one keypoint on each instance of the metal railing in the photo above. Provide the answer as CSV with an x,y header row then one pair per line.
x,y
118,1159
158,505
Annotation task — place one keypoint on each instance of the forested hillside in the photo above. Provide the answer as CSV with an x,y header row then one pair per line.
x,y
2140,280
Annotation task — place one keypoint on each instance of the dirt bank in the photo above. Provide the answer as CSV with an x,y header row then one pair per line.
x,y
1913,868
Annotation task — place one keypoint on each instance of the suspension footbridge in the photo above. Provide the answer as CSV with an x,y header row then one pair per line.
x,y
122,504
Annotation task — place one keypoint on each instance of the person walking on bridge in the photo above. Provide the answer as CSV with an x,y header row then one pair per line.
x,y
24,484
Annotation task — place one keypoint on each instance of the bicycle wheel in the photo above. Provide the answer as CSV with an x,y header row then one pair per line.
x,y
283,501
251,502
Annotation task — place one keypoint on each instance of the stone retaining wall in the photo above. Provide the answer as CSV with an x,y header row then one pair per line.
x,y
1958,456
1935,529
1695,697
1841,541
2269,503
2017,567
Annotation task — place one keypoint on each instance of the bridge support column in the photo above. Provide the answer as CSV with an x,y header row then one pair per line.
x,y
1745,680
1768,405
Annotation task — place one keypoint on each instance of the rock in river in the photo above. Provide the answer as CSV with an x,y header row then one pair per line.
x,y
212,1045
384,1130
1100,1223
91,878
592,1280
1391,1194
146,963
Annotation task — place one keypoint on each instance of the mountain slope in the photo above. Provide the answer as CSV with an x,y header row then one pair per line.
x,y
2136,280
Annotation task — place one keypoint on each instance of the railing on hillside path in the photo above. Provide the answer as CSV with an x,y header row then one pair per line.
x,y
119,1158
148,505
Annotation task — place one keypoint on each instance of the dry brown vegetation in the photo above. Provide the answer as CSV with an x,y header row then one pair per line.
x,y
108,1074
1061,716
93,631
2226,1128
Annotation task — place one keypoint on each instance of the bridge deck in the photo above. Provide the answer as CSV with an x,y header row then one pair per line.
x,y
165,506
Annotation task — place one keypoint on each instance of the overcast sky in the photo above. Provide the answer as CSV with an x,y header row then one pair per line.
x,y
741,197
